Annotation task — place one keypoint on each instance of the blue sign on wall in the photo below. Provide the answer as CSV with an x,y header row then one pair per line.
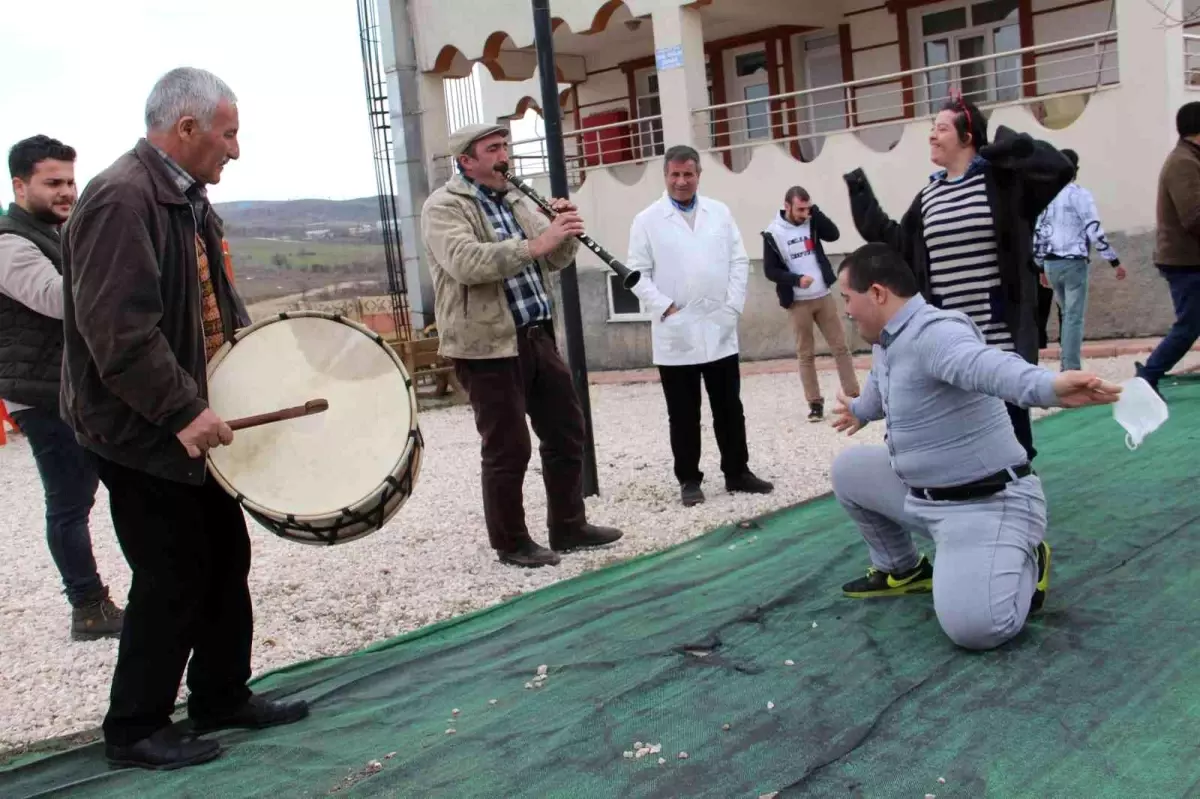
x,y
669,57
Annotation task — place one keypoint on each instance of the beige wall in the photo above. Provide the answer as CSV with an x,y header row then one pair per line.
x,y
609,203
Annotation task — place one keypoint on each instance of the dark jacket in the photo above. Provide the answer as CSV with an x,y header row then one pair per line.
x,y
1023,176
134,362
31,344
1178,237
775,264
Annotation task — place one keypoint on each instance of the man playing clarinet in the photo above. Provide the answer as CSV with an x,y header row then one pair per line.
x,y
489,251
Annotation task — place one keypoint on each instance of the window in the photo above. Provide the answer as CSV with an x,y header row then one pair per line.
x,y
649,133
623,304
973,31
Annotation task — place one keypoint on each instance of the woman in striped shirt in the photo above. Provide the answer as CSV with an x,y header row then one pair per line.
x,y
968,234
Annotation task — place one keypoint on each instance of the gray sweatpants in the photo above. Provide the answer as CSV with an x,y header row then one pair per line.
x,y
985,570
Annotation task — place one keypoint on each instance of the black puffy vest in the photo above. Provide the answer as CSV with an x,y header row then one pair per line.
x,y
31,345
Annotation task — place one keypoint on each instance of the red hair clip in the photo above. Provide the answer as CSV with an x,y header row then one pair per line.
x,y
957,96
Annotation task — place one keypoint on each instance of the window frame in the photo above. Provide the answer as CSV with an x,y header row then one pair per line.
x,y
613,316
987,31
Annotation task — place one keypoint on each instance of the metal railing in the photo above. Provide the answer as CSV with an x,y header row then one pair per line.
x,y
632,141
1024,76
1191,61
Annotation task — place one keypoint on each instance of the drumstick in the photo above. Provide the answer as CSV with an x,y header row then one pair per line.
x,y
308,408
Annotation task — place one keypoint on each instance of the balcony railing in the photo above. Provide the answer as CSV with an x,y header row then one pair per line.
x,y
1040,74
633,141
1191,61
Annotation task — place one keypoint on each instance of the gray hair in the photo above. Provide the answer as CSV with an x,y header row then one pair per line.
x,y
185,91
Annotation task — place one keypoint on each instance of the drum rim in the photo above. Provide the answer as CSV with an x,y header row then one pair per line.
x,y
403,462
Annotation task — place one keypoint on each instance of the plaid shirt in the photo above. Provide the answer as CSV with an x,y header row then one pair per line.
x,y
527,296
190,187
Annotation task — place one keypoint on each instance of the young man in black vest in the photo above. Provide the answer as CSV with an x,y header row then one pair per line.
x,y
31,347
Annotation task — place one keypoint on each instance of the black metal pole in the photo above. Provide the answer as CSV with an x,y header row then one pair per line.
x,y
576,359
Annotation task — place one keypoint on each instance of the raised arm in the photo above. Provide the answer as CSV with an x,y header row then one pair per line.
x,y
118,305
1042,170
954,352
823,227
564,254
871,222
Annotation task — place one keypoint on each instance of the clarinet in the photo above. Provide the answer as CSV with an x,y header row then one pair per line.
x,y
629,277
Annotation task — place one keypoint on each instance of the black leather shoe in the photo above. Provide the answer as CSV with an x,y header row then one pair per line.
x,y
166,749
690,494
256,714
587,536
747,483
529,556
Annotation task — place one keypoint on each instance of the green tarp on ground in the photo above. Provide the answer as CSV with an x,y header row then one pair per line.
x,y
1099,697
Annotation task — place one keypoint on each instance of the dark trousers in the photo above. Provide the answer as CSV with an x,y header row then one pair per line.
x,y
1185,294
723,382
503,391
1023,427
69,483
189,552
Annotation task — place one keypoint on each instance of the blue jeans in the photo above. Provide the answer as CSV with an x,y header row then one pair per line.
x,y
1069,278
69,481
1185,294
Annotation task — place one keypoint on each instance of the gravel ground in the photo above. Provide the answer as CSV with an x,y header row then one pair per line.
x,y
432,562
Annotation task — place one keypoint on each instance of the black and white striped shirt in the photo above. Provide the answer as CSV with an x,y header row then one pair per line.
x,y
963,267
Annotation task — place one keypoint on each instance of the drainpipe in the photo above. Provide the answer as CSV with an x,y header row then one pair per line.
x,y
404,84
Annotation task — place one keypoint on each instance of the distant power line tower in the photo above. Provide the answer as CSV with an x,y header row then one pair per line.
x,y
381,138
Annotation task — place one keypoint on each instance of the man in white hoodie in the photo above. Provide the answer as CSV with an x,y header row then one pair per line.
x,y
694,271
794,259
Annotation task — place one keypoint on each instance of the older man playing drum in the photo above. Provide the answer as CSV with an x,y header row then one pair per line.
x,y
147,306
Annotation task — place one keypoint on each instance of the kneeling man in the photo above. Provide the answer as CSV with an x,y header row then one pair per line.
x,y
952,468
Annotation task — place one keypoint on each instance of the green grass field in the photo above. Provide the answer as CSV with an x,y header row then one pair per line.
x,y
304,254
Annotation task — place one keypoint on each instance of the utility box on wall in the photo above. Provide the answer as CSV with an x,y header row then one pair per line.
x,y
611,145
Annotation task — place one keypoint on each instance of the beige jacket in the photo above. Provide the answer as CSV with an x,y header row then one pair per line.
x,y
469,266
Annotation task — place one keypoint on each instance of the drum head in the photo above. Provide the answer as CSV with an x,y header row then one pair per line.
x,y
316,465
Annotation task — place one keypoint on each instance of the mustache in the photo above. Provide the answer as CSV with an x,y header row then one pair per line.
x,y
501,167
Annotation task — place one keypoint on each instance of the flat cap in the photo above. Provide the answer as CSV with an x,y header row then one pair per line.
x,y
462,139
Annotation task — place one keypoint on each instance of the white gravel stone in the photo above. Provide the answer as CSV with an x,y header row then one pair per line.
x,y
431,563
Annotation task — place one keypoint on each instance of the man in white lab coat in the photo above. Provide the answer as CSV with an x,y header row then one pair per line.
x,y
693,286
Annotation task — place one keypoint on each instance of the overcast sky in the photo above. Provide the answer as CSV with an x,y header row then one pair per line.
x,y
80,70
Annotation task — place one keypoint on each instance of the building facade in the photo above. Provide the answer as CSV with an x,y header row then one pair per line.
x,y
776,93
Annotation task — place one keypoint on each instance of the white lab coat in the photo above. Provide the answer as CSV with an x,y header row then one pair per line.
x,y
703,271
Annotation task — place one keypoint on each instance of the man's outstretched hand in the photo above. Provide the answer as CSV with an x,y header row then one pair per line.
x,y
1077,389
843,420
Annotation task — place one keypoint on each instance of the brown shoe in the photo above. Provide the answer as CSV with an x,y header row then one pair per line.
x,y
584,538
95,620
529,556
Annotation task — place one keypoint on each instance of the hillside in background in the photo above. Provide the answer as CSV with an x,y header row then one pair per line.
x,y
305,249
295,218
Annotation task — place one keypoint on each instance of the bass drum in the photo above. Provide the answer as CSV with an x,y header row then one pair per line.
x,y
332,477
